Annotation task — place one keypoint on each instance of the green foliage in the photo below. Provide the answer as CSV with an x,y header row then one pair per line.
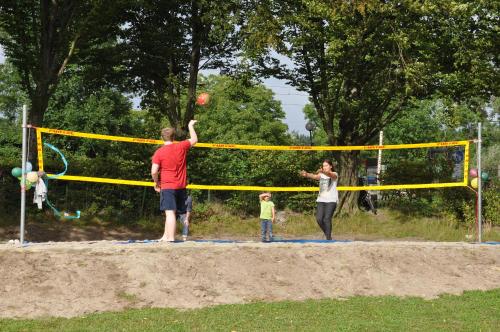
x,y
436,120
243,112
10,145
41,38
419,219
105,111
492,203
490,154
459,204
472,311
213,220
362,62
319,134
167,43
426,70
240,112
11,95
431,120
11,100
302,202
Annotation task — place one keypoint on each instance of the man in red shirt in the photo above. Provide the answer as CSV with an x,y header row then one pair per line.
x,y
169,162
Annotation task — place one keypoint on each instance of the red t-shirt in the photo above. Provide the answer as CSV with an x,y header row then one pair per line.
x,y
172,161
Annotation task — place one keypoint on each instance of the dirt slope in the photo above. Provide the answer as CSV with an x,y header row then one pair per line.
x,y
71,279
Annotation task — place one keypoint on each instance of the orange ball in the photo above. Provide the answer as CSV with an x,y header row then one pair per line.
x,y
203,99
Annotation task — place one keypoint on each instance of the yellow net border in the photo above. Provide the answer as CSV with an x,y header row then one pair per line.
x,y
464,183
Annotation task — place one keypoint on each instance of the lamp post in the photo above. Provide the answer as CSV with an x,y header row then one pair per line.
x,y
310,126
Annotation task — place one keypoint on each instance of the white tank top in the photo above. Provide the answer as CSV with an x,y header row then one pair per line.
x,y
327,189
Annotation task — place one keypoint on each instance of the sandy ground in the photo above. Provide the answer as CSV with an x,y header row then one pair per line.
x,y
75,278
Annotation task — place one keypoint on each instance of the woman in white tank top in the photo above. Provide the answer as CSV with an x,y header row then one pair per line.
x,y
327,197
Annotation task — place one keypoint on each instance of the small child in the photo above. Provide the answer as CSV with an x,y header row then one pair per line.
x,y
185,217
267,216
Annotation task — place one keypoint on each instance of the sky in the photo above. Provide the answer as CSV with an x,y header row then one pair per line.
x,y
292,101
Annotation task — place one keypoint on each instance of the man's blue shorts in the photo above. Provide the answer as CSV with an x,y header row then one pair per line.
x,y
173,199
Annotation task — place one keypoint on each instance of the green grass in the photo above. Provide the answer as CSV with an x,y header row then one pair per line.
x,y
132,298
388,224
473,311
219,222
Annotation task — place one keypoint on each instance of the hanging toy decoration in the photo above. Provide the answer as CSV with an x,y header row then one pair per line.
x,y
42,175
473,172
17,172
485,176
27,184
28,181
32,177
473,183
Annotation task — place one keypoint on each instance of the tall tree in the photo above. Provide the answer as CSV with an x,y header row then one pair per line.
x,y
244,112
362,61
12,95
11,100
169,42
41,38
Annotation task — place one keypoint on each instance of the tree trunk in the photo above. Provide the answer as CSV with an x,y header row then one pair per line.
x,y
348,176
194,63
39,104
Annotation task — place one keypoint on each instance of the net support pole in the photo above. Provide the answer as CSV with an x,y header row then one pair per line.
x,y
479,185
23,176
379,158
379,162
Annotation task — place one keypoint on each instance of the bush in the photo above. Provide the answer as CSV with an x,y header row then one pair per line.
x,y
302,202
491,204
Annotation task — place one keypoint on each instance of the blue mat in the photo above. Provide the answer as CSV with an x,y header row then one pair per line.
x,y
218,241
179,241
302,241
239,241
138,241
276,241
312,241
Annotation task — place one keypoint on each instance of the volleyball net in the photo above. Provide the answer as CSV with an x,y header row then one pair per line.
x,y
456,152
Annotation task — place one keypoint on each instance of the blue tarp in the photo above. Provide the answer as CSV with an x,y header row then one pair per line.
x,y
303,241
238,241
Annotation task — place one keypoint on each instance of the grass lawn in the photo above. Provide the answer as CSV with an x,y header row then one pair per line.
x,y
473,311
388,224
215,221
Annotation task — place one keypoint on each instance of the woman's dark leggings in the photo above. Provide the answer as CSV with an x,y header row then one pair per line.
x,y
324,214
